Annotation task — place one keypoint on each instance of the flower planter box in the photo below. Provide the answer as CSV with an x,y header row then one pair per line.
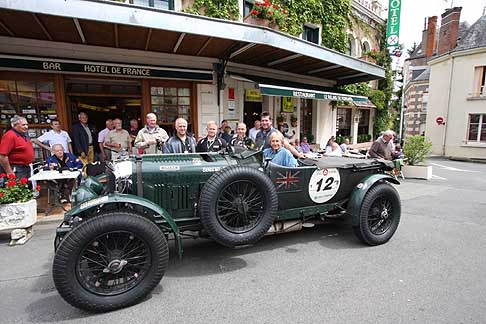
x,y
417,171
260,22
17,216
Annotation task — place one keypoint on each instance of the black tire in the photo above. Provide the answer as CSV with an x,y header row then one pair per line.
x,y
238,205
379,214
110,261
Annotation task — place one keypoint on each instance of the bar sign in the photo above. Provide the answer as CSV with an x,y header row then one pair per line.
x,y
393,28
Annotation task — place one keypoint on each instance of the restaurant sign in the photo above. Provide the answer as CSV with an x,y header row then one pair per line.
x,y
69,66
271,90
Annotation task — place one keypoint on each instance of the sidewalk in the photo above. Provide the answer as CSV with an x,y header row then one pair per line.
x,y
55,215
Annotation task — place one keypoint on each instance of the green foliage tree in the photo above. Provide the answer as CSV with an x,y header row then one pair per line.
x,y
383,117
222,9
332,15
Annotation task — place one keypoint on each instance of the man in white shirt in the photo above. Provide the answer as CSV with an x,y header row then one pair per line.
x,y
105,153
254,131
55,136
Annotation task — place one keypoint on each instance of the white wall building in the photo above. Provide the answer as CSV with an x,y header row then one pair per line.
x,y
458,96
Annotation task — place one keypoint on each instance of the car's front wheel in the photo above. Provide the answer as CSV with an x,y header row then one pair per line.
x,y
379,215
110,261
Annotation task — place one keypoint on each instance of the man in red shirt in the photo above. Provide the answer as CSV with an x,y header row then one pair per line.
x,y
16,151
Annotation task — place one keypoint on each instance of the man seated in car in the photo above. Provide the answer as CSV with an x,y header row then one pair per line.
x,y
63,161
279,154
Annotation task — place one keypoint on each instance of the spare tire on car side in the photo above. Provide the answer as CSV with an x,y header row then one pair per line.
x,y
238,205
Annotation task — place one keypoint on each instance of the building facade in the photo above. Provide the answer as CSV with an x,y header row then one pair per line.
x,y
60,58
436,42
356,120
458,97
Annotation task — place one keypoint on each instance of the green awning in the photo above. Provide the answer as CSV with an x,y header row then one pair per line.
x,y
274,90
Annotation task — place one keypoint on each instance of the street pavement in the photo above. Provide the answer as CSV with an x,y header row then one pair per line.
x,y
432,271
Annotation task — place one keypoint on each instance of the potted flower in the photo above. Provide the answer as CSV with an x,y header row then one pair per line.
x,y
416,149
293,120
280,119
266,13
18,208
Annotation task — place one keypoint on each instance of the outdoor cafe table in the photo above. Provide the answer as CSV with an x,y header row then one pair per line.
x,y
52,177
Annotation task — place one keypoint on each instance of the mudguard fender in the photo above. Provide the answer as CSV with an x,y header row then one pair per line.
x,y
128,199
359,192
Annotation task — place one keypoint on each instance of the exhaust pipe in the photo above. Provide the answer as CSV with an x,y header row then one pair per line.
x,y
285,227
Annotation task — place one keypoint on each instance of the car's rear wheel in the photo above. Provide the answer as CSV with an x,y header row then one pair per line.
x,y
110,261
238,205
379,214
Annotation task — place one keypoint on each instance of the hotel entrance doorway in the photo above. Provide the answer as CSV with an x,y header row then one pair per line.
x,y
104,99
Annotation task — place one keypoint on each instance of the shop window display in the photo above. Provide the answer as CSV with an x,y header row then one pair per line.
x,y
169,103
34,100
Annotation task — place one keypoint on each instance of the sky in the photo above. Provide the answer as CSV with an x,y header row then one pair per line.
x,y
413,13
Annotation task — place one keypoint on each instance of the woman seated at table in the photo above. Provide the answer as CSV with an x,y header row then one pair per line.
x,y
279,154
63,161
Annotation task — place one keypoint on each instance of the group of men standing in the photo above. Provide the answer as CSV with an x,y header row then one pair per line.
x,y
17,154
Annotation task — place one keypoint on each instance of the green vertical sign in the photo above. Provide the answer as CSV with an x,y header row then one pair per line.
x,y
393,28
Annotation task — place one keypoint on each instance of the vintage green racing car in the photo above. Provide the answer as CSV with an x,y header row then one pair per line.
x,y
112,246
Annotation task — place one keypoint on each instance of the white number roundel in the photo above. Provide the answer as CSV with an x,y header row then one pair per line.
x,y
324,184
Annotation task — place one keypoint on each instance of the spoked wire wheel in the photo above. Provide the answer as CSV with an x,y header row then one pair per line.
x,y
379,214
113,263
110,261
380,218
240,206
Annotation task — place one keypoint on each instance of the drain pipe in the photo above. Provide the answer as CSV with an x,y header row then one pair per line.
x,y
444,141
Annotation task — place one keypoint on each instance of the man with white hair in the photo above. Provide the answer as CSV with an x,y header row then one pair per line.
x,y
181,142
61,160
211,143
151,138
278,153
16,150
381,148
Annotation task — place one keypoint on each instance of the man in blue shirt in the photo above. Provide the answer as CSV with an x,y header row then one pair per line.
x,y
279,154
266,130
59,161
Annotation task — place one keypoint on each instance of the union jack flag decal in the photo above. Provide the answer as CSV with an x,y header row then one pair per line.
x,y
287,180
